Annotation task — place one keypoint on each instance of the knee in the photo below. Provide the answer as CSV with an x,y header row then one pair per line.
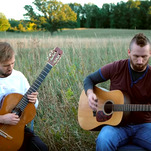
x,y
102,143
104,140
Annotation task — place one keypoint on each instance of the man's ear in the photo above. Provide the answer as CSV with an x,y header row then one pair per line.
x,y
128,52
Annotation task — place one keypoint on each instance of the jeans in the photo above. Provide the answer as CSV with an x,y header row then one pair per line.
x,y
110,137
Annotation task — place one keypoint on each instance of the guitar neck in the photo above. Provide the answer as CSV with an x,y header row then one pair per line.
x,y
54,57
131,107
34,87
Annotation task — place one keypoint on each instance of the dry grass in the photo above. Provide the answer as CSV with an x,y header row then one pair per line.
x,y
56,121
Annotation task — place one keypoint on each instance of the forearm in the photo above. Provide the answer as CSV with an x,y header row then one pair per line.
x,y
91,80
89,91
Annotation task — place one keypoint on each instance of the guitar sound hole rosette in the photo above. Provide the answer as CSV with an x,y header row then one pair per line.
x,y
106,113
108,107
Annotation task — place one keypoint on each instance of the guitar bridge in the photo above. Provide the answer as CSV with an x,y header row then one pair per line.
x,y
5,135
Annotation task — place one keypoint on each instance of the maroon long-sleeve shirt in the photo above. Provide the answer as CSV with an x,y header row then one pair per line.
x,y
136,84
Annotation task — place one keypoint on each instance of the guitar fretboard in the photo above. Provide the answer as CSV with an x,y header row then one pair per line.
x,y
34,87
131,107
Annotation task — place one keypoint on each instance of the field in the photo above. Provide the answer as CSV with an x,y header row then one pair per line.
x,y
85,51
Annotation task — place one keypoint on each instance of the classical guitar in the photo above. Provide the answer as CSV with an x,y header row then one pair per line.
x,y
113,107
11,137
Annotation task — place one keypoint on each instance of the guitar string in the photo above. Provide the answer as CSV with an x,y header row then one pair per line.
x,y
35,86
127,107
57,58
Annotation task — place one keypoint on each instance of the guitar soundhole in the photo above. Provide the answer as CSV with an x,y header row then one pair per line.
x,y
17,111
108,107
106,114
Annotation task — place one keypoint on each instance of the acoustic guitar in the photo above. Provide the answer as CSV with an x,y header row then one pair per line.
x,y
12,136
113,109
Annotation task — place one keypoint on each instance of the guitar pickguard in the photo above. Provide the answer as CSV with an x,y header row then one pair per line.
x,y
101,117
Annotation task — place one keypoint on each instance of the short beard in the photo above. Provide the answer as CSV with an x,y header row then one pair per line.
x,y
138,68
4,75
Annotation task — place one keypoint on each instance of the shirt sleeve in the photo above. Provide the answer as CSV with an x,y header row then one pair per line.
x,y
93,79
107,72
111,70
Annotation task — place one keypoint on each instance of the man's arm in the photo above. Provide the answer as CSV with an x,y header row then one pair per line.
x,y
89,82
92,79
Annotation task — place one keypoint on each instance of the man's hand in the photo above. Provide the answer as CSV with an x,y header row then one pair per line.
x,y
32,97
93,103
9,118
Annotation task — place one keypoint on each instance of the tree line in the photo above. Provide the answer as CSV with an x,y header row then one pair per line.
x,y
127,15
52,15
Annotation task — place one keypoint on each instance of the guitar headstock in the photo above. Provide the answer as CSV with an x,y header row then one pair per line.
x,y
55,56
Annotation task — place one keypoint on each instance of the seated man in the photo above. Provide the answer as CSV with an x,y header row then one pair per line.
x,y
13,81
133,77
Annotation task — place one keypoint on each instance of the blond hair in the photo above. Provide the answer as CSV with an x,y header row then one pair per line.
x,y
6,52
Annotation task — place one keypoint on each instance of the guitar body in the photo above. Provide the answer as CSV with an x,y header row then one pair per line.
x,y
15,133
89,121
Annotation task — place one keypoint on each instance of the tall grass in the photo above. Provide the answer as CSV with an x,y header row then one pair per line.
x,y
85,51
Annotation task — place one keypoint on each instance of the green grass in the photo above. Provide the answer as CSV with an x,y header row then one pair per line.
x,y
85,51
77,33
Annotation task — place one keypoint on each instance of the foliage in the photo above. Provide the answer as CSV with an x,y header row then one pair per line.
x,y
77,9
127,15
31,26
91,13
4,24
21,27
53,15
14,23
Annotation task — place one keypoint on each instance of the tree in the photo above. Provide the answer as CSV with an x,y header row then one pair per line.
x,y
31,26
149,17
91,13
14,23
4,23
51,15
143,14
134,11
21,27
120,16
105,12
77,8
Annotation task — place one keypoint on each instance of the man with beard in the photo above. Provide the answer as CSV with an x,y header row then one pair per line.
x,y
13,81
132,76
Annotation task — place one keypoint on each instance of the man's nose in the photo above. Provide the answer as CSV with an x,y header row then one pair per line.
x,y
140,60
10,67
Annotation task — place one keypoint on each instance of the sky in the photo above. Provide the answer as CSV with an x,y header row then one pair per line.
x,y
15,8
